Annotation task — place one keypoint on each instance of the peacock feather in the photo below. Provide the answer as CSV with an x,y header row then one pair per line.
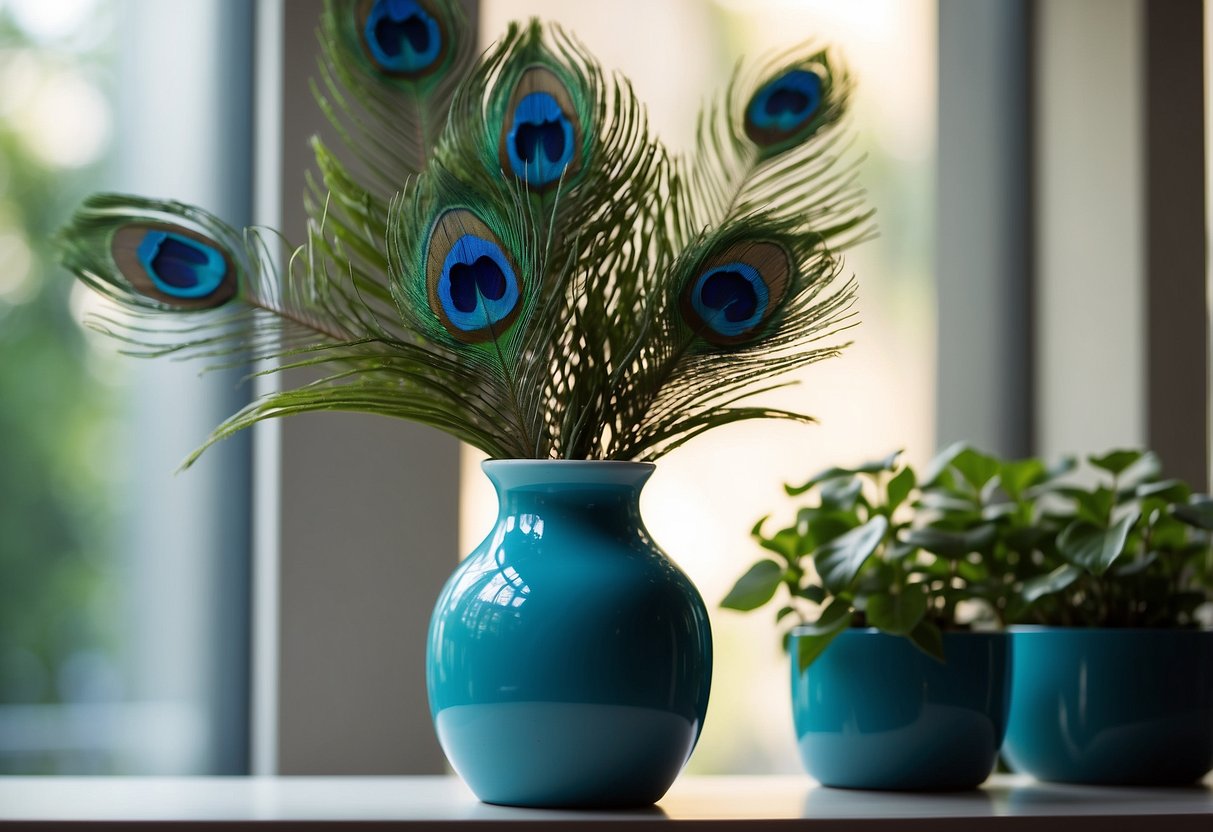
x,y
776,142
501,250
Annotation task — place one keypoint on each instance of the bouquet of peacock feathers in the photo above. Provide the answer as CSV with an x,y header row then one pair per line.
x,y
504,252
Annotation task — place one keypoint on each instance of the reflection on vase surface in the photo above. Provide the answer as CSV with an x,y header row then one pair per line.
x,y
1112,706
569,660
874,712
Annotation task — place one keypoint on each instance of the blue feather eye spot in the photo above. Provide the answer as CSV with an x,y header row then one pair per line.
x,y
730,299
473,285
402,37
540,134
783,106
484,278
181,267
173,265
540,140
734,294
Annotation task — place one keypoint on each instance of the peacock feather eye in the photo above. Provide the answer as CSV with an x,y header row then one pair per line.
x,y
472,283
174,265
734,294
403,37
783,107
541,134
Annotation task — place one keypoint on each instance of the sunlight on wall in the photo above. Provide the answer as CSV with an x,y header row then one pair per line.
x,y
704,497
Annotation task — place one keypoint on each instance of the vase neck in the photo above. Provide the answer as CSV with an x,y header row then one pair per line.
x,y
596,489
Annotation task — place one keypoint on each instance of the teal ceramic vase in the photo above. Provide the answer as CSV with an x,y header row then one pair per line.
x,y
569,661
1111,706
875,712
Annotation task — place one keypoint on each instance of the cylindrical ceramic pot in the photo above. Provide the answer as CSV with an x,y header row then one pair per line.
x,y
1111,706
569,660
875,712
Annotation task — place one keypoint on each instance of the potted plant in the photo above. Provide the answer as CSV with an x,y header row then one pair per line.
x,y
1113,665
897,680
505,253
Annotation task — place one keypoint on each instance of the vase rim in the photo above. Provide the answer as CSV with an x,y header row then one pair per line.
x,y
873,631
559,462
1057,628
532,473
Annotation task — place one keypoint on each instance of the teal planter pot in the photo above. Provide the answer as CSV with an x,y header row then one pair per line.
x,y
875,712
569,661
1124,707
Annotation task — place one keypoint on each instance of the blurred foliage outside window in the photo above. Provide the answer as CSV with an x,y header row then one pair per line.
x,y
60,588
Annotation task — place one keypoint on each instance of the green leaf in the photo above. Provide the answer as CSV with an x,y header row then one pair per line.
x,y
839,561
874,467
948,502
783,613
1115,462
785,543
1062,467
1018,476
755,587
875,578
1055,581
927,638
841,494
1094,506
941,462
898,613
950,544
1059,469
1146,469
972,572
900,487
813,639
1094,548
756,531
803,517
1169,533
977,468
1171,491
812,592
998,511
938,542
828,526
1198,512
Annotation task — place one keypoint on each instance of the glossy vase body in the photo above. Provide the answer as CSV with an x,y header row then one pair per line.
x,y
569,661
875,712
1112,706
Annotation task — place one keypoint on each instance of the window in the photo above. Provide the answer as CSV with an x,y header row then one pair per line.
x,y
123,620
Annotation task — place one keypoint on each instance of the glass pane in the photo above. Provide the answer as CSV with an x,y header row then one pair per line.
x,y
60,595
878,396
122,608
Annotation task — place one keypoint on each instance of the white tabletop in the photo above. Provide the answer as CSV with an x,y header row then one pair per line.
x,y
721,803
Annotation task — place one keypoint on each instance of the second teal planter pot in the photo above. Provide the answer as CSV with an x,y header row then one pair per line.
x,y
1112,707
875,712
569,661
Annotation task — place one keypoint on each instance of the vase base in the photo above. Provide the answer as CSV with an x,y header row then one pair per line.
x,y
565,755
945,749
